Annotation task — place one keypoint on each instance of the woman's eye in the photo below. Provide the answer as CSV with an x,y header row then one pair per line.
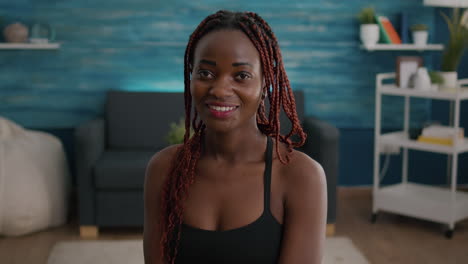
x,y
204,74
244,76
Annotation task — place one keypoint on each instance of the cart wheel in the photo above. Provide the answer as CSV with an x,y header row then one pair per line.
x,y
374,218
449,234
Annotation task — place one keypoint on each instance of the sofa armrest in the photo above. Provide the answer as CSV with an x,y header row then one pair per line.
x,y
89,146
322,145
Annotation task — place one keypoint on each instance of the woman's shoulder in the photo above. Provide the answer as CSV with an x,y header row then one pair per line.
x,y
159,165
164,156
301,171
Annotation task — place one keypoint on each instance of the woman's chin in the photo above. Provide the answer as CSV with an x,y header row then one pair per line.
x,y
218,127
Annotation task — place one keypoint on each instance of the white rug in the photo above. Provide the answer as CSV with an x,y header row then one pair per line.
x,y
338,250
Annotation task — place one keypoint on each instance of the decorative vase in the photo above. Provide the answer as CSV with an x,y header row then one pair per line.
x,y
450,80
16,32
420,37
369,34
422,80
42,33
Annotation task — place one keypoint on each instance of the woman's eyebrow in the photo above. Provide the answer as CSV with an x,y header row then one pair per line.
x,y
213,63
236,64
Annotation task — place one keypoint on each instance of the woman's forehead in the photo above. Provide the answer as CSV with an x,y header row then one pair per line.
x,y
226,44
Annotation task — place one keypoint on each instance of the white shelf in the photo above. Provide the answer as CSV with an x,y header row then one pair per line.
x,y
446,3
422,201
30,46
392,89
401,139
403,47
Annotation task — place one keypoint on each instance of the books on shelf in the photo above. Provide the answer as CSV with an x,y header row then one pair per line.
x,y
387,31
436,140
404,27
436,130
438,134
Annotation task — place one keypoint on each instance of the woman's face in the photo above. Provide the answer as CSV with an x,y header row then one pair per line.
x,y
226,80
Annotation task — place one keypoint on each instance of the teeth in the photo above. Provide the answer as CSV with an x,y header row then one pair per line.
x,y
222,108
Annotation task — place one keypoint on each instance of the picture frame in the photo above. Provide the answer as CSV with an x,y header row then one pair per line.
x,y
406,66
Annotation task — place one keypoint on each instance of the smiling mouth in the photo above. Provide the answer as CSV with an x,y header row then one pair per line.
x,y
222,108
223,112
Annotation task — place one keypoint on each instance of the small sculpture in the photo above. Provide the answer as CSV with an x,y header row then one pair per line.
x,y
16,32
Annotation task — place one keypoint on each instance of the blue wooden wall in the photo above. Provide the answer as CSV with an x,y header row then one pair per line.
x,y
139,45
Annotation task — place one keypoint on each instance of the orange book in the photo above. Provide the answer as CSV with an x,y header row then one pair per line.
x,y
390,30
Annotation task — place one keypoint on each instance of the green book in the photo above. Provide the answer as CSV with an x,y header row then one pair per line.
x,y
384,37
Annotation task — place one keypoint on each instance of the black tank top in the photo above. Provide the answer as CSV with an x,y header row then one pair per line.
x,y
258,242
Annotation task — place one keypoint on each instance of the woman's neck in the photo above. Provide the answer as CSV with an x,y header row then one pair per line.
x,y
234,146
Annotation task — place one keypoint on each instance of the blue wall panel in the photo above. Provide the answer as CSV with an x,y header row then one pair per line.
x,y
139,45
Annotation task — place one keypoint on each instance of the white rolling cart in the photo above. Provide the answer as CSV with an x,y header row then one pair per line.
x,y
438,204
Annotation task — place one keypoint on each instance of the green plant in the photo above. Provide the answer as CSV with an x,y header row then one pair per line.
x,y
436,78
458,39
176,132
367,16
419,27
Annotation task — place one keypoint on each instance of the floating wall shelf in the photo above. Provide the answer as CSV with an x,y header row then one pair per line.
x,y
446,3
403,47
30,46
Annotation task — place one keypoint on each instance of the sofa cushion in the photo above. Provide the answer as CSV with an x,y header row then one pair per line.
x,y
119,208
121,169
141,120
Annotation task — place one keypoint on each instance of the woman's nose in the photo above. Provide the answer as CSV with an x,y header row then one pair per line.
x,y
222,87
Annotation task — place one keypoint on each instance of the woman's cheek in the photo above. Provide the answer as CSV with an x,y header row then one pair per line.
x,y
194,87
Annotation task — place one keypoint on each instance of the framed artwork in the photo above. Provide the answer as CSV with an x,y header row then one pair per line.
x,y
406,66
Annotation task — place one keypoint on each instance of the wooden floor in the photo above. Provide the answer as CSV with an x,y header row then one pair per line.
x,y
392,239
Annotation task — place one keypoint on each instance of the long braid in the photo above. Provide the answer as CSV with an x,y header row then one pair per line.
x,y
279,93
288,103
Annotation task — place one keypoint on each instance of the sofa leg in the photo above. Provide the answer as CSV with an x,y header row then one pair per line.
x,y
89,231
330,229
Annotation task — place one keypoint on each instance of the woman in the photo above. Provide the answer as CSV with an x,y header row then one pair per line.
x,y
235,191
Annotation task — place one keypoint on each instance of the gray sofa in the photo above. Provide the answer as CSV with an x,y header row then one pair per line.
x,y
112,153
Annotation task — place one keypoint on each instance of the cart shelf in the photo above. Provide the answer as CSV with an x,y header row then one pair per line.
x,y
401,139
427,202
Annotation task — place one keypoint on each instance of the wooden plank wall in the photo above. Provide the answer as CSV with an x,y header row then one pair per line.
x,y
139,45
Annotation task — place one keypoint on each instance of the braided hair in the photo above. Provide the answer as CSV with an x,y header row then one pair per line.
x,y
280,95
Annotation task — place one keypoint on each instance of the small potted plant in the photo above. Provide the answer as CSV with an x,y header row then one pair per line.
x,y
436,80
176,132
457,43
369,30
420,34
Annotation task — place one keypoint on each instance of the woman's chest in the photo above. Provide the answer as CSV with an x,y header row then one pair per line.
x,y
224,198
